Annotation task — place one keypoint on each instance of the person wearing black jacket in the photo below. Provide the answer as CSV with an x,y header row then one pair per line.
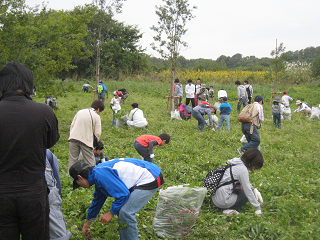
x,y
27,129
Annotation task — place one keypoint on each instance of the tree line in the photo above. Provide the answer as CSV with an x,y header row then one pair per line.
x,y
58,43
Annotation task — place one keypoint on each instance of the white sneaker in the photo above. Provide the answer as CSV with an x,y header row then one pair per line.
x,y
230,211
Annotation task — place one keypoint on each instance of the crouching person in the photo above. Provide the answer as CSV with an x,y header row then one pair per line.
x,y
131,182
230,197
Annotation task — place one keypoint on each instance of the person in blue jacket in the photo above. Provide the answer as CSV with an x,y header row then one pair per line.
x,y
131,182
101,89
225,109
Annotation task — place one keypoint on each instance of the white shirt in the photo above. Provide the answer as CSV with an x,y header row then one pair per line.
x,y
222,93
115,102
286,99
137,119
190,89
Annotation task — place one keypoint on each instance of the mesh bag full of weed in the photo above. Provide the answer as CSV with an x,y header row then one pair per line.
x,y
122,121
177,210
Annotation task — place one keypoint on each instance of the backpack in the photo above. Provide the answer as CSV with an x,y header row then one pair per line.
x,y
246,114
213,178
185,111
100,89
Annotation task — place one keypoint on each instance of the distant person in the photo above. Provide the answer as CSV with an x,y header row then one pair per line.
x,y
242,95
130,182
198,113
63,84
85,124
136,118
304,108
57,224
211,93
145,144
249,90
115,105
222,93
229,198
203,94
198,86
86,86
286,99
225,109
276,112
101,91
252,136
178,93
27,129
124,94
190,93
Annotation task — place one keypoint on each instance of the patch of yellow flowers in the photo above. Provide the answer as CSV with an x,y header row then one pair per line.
x,y
222,77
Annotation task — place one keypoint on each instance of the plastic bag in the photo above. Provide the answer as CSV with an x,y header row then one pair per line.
x,y
175,115
315,113
122,121
286,113
177,210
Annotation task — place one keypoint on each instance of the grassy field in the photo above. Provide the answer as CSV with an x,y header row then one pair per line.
x,y
289,180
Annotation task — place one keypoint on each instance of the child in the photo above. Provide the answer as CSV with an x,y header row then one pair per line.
x,y
115,105
276,112
145,143
211,93
225,109
286,98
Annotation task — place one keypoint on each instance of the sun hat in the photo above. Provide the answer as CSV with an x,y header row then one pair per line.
x,y
276,99
298,102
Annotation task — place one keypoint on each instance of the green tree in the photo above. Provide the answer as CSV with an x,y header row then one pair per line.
x,y
315,67
278,61
173,17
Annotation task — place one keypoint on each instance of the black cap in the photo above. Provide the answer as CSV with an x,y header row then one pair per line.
x,y
76,169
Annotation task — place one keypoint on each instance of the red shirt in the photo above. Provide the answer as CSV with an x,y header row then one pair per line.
x,y
144,140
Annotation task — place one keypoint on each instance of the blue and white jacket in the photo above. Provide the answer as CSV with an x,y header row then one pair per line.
x,y
117,178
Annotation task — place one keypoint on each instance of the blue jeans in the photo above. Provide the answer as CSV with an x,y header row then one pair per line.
x,y
127,214
225,118
277,117
200,118
241,200
243,101
114,117
253,139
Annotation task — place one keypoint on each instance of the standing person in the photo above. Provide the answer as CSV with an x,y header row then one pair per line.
x,y
198,86
85,124
242,96
252,136
226,197
27,129
211,93
136,118
203,93
57,224
145,143
286,99
178,93
101,90
198,113
304,108
276,112
131,182
190,92
225,109
249,90
115,105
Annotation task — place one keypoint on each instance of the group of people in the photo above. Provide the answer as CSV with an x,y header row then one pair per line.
x,y
30,187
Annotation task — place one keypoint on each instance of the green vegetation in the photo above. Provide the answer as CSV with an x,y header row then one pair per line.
x,y
289,180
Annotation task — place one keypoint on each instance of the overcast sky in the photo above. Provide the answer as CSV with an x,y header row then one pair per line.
x,y
248,27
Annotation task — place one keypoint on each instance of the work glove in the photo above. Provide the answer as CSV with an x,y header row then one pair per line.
x,y
258,213
258,196
152,155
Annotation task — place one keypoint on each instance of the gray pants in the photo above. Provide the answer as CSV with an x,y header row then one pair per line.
x,y
74,151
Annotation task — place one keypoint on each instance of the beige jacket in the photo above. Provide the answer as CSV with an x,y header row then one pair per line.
x,y
85,125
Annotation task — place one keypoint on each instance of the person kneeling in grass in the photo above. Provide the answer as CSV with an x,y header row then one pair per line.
x,y
231,198
131,182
